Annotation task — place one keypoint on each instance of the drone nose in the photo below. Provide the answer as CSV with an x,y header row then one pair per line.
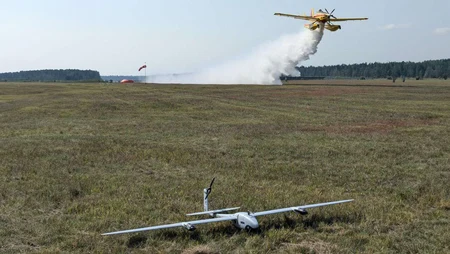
x,y
253,223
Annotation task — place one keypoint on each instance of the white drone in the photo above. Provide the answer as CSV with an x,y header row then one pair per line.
x,y
242,220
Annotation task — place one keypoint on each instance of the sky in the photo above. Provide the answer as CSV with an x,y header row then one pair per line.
x,y
177,36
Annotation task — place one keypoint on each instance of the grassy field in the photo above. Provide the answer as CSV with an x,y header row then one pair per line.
x,y
77,160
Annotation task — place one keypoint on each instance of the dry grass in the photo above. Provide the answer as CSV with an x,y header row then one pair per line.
x,y
77,160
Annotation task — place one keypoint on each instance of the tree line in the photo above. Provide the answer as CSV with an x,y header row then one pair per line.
x,y
419,70
52,75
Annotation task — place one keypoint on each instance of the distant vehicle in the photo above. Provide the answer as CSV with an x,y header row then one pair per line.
x,y
124,81
320,18
242,220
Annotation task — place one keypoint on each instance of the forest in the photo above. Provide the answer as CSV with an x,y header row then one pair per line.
x,y
52,75
419,70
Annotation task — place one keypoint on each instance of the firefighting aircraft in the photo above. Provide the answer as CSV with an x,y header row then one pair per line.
x,y
242,220
321,18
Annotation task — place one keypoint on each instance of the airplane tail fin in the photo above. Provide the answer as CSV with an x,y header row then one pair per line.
x,y
312,12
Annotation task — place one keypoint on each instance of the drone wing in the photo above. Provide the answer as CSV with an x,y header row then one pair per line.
x,y
299,208
347,19
309,18
186,224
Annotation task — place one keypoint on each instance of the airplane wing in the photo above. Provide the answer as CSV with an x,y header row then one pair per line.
x,y
347,19
174,225
292,209
309,18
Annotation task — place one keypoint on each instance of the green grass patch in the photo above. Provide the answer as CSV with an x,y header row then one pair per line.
x,y
77,160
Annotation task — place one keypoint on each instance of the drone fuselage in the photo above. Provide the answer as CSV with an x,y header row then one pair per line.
x,y
246,221
242,220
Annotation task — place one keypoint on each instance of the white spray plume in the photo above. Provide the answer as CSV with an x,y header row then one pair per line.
x,y
263,66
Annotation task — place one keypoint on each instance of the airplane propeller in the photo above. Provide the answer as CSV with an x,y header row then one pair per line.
x,y
208,191
331,14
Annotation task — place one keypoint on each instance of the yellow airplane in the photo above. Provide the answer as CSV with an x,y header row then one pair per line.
x,y
320,18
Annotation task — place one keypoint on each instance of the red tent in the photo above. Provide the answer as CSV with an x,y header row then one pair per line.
x,y
126,81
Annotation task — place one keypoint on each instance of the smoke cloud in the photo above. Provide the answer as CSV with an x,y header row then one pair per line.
x,y
263,66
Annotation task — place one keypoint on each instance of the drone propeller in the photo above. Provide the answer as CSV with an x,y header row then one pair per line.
x,y
208,191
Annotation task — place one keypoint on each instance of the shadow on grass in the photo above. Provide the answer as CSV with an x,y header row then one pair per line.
x,y
197,235
313,221
137,241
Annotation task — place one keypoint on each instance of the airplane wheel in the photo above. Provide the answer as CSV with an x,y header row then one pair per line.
x,y
248,228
